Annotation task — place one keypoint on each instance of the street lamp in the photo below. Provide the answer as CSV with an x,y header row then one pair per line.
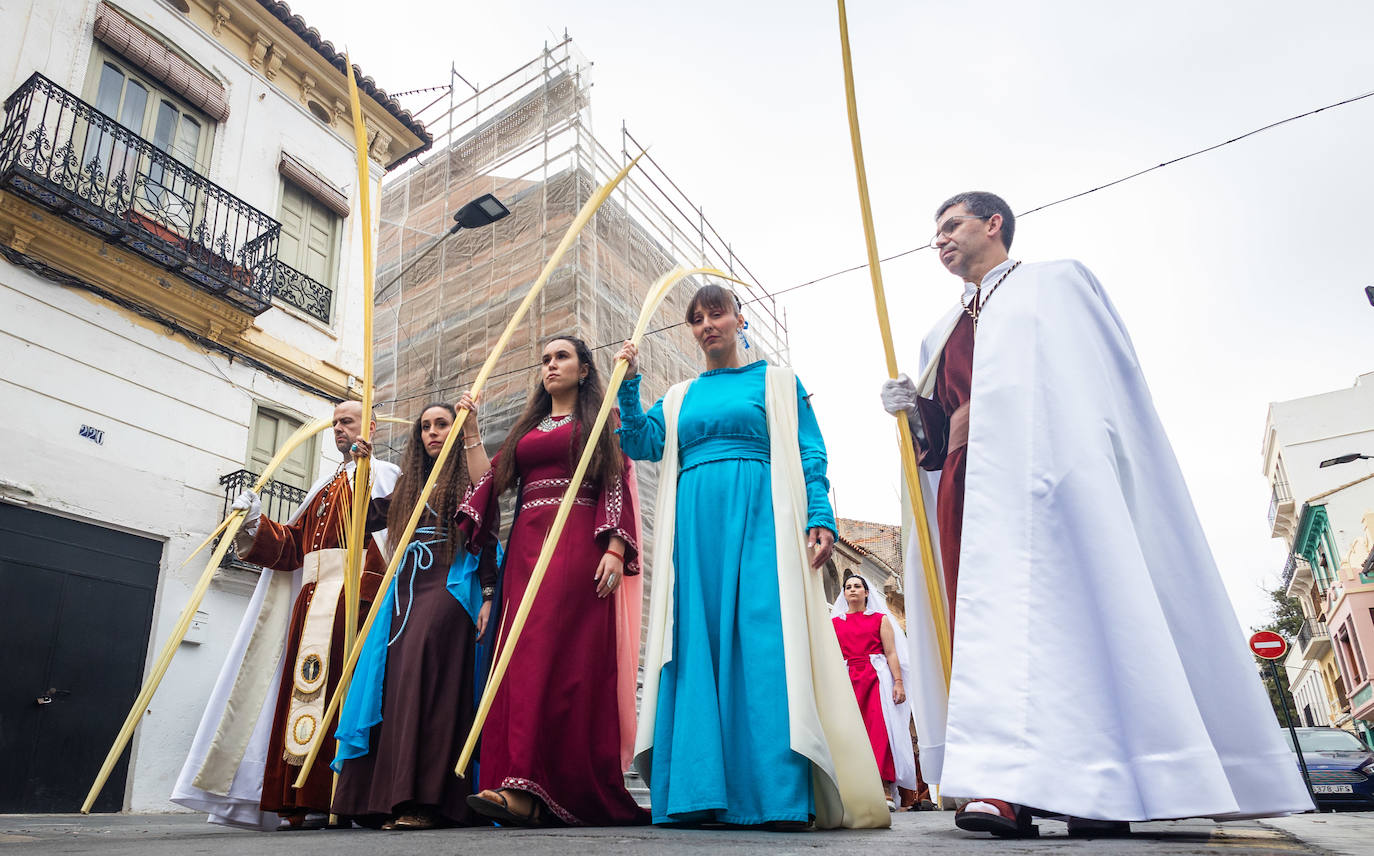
x,y
482,211
1345,459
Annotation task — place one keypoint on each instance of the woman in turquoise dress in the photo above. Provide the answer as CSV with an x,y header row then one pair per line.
x,y
720,735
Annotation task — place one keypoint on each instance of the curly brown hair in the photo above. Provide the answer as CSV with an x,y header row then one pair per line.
x,y
416,466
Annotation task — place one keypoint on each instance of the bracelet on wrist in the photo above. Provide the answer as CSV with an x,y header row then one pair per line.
x,y
488,592
611,551
473,445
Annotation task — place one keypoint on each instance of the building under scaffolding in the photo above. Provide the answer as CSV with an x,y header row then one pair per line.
x,y
528,139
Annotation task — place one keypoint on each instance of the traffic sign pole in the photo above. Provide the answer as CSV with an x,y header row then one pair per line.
x,y
1268,645
1288,717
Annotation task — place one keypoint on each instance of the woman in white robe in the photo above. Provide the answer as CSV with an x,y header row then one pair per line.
x,y
892,706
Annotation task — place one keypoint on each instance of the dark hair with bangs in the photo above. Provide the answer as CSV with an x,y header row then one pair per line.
x,y
712,296
850,575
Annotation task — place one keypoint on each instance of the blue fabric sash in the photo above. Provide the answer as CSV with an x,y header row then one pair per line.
x,y
362,708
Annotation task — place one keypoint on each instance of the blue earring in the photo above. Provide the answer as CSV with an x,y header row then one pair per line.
x,y
744,340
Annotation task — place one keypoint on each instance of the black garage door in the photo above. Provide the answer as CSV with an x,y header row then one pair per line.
x,y
76,608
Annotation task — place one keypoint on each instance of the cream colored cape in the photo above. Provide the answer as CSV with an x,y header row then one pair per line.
x,y
825,724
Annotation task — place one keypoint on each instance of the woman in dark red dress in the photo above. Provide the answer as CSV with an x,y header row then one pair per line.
x,y
556,743
867,640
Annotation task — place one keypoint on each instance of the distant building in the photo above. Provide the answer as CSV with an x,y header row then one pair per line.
x,y
179,290
1350,619
871,549
1321,513
528,139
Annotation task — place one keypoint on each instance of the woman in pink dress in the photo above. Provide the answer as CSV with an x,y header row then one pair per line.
x,y
561,727
868,640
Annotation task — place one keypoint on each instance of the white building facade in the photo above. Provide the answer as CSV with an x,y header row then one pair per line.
x,y
180,287
1319,511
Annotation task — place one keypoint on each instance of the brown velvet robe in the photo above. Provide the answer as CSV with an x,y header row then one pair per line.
x,y
283,548
428,694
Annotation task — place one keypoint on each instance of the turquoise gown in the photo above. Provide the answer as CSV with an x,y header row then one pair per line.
x,y
721,738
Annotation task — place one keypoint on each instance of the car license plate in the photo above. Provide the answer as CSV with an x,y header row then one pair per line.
x,y
1333,789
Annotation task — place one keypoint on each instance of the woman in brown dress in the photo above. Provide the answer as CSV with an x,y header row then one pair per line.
x,y
402,776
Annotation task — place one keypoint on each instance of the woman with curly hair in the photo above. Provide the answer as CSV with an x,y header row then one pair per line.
x,y
412,699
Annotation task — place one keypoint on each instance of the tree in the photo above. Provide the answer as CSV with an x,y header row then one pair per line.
x,y
1285,615
1285,619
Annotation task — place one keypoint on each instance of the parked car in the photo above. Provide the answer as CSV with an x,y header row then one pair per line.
x,y
1341,767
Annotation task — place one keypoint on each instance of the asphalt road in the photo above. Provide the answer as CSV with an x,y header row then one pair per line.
x,y
912,833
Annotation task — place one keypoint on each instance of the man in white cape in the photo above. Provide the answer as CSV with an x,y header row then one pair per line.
x,y
1099,672
284,657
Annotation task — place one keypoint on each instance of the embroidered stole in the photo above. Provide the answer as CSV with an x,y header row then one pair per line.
x,y
310,672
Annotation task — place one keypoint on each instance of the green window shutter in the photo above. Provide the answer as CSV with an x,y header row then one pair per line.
x,y
309,234
269,432
262,441
319,243
295,211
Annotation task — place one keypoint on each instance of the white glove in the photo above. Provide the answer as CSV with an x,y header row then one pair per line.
x,y
899,394
248,502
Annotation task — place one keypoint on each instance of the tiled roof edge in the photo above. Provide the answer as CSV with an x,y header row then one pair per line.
x,y
324,48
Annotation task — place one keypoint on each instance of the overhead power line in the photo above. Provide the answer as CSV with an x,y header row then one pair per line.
x,y
1038,208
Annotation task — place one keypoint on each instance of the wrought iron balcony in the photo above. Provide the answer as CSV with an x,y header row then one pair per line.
x,y
313,298
1290,568
1280,507
1313,639
279,501
65,155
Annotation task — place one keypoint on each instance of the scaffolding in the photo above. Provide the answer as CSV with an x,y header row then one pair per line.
x,y
528,139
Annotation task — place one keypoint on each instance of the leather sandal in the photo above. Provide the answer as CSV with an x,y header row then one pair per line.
x,y
299,820
501,811
999,817
414,820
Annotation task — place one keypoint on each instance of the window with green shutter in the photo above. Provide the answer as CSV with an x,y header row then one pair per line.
x,y
269,432
307,254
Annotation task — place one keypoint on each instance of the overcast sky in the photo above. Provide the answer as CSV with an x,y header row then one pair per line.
x,y
1239,273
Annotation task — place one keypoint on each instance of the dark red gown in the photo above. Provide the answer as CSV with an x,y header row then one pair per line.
x,y
953,387
554,729
860,635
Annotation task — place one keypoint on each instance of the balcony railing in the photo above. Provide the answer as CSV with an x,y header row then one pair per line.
x,y
313,298
69,157
279,502
1312,633
1279,495
1290,568
1342,704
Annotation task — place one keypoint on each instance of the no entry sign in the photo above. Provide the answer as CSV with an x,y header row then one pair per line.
x,y
1268,645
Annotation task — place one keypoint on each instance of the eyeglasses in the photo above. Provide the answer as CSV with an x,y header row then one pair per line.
x,y
947,228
